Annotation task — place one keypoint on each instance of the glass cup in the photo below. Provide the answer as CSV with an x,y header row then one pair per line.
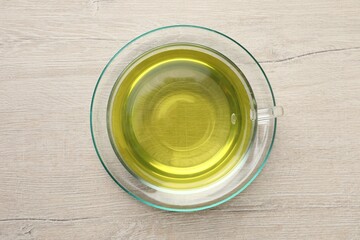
x,y
263,113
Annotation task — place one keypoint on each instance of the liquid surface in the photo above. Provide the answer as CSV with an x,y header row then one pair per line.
x,y
179,117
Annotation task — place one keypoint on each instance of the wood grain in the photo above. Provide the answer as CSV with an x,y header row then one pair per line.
x,y
54,187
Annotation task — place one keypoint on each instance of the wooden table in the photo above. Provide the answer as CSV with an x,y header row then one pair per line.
x,y
52,185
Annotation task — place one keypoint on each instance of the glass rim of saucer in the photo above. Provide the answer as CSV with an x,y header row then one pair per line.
x,y
152,204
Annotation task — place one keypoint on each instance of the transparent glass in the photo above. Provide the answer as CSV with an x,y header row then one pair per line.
x,y
263,114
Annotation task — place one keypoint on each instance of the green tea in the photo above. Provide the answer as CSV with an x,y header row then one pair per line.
x,y
179,117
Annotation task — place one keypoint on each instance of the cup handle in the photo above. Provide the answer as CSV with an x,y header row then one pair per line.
x,y
270,113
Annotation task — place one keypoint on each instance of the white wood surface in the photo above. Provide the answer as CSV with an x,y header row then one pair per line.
x,y
52,185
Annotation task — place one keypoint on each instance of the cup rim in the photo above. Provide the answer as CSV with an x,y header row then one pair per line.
x,y
142,57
